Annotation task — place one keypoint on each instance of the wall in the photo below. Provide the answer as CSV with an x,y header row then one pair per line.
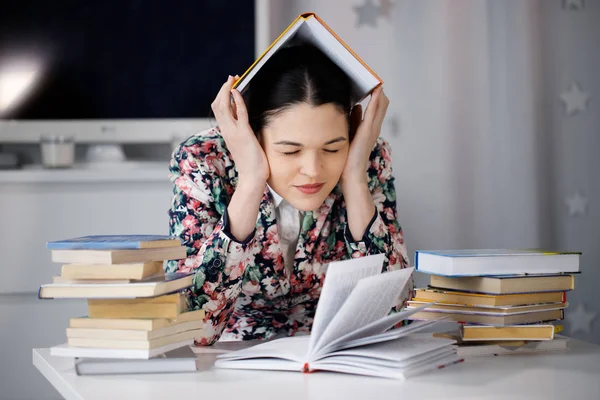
x,y
37,206
484,155
571,55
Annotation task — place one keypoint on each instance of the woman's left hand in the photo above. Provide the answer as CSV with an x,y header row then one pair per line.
x,y
367,131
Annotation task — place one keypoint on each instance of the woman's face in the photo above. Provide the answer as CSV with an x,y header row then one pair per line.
x,y
306,147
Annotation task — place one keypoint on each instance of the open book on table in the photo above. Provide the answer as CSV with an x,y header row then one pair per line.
x,y
352,332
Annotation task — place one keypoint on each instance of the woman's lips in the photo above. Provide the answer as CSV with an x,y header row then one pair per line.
x,y
310,189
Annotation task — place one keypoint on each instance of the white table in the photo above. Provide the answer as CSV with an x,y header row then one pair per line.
x,y
570,374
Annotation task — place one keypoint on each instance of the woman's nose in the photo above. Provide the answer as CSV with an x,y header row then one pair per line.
x,y
311,165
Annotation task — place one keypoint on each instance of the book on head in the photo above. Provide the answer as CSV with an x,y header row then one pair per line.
x,y
309,28
352,332
478,262
114,242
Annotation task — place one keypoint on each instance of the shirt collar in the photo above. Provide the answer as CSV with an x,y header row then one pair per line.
x,y
276,198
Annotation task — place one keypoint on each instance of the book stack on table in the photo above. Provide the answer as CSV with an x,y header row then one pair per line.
x,y
506,301
135,310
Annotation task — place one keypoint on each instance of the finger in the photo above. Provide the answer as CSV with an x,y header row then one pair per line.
x,y
221,106
372,106
355,119
381,110
235,81
242,112
234,109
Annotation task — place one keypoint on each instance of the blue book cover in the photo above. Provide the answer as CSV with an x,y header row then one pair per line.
x,y
114,242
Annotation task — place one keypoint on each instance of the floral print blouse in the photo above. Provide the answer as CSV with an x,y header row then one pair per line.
x,y
242,286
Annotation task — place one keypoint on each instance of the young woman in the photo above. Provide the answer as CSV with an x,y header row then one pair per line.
x,y
290,180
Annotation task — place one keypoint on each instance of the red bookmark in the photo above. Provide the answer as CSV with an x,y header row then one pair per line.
x,y
306,369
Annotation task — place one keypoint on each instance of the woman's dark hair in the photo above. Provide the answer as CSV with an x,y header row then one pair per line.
x,y
295,75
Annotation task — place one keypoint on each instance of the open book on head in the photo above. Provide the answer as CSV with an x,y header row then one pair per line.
x,y
309,28
352,332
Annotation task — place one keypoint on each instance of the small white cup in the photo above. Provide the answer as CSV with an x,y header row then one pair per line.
x,y
58,151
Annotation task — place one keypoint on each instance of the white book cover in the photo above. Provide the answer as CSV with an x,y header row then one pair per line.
x,y
64,350
495,262
182,359
309,28
486,350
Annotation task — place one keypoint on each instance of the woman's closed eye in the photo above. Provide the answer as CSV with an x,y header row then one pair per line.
x,y
290,153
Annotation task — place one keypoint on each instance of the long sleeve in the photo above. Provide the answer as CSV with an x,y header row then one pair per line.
x,y
383,234
198,216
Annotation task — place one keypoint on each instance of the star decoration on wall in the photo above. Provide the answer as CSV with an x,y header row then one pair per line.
x,y
580,320
575,99
394,126
574,4
385,8
577,204
367,14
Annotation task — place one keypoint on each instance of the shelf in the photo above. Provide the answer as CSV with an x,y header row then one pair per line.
x,y
129,171
104,131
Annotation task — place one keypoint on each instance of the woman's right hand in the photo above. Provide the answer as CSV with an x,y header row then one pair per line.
x,y
247,153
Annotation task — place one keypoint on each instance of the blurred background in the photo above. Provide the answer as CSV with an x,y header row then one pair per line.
x,y
494,125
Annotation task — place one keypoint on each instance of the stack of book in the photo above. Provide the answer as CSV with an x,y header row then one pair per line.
x,y
507,301
135,310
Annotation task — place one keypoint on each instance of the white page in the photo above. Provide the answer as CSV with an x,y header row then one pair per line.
x,y
387,336
443,359
292,348
371,300
341,278
399,349
499,313
363,81
274,364
377,363
375,338
284,39
375,328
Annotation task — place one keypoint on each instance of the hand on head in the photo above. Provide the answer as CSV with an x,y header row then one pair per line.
x,y
232,118
365,131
